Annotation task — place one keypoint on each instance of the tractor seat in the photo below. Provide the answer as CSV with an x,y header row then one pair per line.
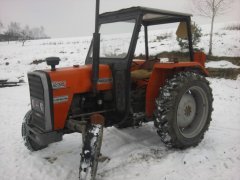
x,y
144,71
141,74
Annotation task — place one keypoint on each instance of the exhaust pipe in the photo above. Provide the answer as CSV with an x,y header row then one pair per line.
x,y
96,46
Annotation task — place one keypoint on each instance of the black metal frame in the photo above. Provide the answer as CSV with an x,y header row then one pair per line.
x,y
146,42
135,13
96,46
43,138
120,67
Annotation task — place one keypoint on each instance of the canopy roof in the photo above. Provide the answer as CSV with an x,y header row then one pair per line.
x,y
150,16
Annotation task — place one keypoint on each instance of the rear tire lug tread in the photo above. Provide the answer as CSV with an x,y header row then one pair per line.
x,y
165,104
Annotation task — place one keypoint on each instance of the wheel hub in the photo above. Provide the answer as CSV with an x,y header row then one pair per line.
x,y
186,110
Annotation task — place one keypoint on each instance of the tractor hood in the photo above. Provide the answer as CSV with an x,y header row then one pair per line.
x,y
78,79
74,80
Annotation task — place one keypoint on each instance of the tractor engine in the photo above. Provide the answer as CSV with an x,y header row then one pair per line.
x,y
83,105
60,94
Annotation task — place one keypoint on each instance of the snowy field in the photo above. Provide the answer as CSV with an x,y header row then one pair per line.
x,y
135,153
221,64
16,60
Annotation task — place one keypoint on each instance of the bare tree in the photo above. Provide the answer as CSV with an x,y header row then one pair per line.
x,y
1,26
25,34
13,31
211,9
42,32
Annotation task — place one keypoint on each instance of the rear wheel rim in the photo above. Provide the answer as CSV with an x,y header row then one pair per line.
x,y
192,112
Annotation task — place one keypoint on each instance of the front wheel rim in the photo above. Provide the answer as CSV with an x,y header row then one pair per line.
x,y
192,112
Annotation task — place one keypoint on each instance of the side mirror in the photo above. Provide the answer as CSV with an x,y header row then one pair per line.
x,y
52,61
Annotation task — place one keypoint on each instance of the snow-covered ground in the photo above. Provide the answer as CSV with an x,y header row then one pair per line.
x,y
220,64
136,154
16,60
225,42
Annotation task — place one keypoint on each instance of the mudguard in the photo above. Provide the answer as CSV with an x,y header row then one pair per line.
x,y
163,71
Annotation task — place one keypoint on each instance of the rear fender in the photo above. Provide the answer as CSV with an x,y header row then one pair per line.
x,y
200,58
163,71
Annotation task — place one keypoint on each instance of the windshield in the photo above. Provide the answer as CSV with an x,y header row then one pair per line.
x,y
115,39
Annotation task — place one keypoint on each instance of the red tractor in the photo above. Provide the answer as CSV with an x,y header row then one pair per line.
x,y
114,89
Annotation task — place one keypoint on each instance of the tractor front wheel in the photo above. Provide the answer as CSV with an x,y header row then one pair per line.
x,y
183,110
90,152
28,142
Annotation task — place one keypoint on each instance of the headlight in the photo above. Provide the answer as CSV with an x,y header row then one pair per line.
x,y
38,105
42,107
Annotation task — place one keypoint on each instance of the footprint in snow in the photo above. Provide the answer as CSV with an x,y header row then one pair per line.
x,y
51,159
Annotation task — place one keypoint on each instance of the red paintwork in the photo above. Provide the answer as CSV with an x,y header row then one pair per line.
x,y
78,80
161,72
200,57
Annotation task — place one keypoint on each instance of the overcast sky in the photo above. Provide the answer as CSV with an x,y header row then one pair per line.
x,y
69,18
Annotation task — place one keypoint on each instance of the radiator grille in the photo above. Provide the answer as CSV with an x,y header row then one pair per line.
x,y
36,87
36,91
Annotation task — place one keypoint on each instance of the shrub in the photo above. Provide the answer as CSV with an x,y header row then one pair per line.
x,y
196,38
163,36
233,27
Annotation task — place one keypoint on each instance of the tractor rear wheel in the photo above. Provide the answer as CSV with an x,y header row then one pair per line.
x,y
28,142
183,110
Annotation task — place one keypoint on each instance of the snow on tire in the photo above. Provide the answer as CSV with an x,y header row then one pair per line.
x,y
183,110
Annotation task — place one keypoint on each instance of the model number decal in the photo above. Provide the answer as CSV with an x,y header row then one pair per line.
x,y
60,99
58,84
104,80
